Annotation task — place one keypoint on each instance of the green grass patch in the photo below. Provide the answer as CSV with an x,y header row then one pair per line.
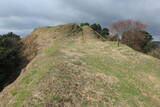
x,y
27,79
22,95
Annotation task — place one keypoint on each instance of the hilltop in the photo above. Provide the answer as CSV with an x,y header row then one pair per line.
x,y
67,66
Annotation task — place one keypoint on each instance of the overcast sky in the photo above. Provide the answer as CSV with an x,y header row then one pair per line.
x,y
22,16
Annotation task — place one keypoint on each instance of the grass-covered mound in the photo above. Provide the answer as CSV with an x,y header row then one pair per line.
x,y
72,68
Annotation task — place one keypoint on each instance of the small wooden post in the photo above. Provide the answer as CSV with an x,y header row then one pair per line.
x,y
118,42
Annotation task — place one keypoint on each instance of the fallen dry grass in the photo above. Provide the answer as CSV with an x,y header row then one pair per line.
x,y
70,85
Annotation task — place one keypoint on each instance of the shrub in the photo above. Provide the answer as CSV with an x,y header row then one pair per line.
x,y
151,46
112,38
155,53
138,40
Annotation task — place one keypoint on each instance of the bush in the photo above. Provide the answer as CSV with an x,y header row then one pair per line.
x,y
151,46
155,53
138,40
112,38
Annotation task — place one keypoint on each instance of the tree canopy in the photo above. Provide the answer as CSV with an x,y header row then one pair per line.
x,y
118,28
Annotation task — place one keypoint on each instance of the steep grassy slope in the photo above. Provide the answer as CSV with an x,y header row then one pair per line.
x,y
71,68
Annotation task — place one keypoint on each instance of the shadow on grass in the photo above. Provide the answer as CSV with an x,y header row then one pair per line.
x,y
9,74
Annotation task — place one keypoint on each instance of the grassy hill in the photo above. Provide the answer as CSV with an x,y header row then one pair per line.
x,y
70,67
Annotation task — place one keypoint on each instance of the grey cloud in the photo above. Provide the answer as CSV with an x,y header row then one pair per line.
x,y
24,15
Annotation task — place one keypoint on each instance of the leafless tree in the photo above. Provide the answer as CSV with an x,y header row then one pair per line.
x,y
122,26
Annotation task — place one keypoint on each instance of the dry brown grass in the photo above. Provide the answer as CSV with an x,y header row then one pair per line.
x,y
70,67
29,49
71,86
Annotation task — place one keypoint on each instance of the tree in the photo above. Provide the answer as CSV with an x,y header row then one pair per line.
x,y
84,24
138,40
120,27
148,36
9,56
96,27
105,32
